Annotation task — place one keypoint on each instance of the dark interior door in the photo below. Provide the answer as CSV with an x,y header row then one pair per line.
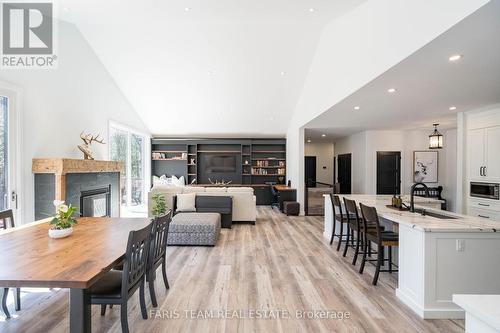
x,y
344,172
310,171
388,172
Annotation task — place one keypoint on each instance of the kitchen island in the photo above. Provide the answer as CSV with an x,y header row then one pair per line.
x,y
437,256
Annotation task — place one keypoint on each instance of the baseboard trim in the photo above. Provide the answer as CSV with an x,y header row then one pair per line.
x,y
430,313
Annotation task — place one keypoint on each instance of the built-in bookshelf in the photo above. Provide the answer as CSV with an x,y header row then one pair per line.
x,y
258,161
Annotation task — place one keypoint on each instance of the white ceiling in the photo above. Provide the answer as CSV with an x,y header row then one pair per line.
x,y
427,83
207,67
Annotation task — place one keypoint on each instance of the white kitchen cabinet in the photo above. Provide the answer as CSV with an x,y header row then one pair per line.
x,y
476,144
492,165
484,213
484,154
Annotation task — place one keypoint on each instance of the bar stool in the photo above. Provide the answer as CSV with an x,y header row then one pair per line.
x,y
380,237
340,218
6,216
355,224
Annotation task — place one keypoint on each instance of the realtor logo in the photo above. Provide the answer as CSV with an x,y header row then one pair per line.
x,y
27,35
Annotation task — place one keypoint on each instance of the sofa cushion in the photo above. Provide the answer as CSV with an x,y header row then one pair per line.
x,y
240,190
193,189
215,189
186,202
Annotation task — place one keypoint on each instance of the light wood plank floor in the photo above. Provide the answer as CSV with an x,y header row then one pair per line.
x,y
281,264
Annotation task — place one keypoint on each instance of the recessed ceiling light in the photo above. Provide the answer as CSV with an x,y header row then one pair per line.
x,y
455,57
323,135
282,73
311,10
357,107
391,90
452,108
67,9
187,9
308,140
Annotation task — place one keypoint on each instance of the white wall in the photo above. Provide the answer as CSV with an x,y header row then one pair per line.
x,y
365,145
356,146
324,160
57,105
359,46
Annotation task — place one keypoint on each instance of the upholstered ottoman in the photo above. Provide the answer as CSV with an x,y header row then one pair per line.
x,y
194,229
291,208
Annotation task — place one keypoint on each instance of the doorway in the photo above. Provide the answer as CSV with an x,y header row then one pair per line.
x,y
310,171
344,173
388,172
8,149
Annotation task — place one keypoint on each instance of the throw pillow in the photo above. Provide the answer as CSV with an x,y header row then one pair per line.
x,y
186,202
178,181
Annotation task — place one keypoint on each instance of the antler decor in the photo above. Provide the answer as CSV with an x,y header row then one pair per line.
x,y
87,143
217,182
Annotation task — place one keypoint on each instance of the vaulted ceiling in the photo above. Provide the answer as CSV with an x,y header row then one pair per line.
x,y
207,67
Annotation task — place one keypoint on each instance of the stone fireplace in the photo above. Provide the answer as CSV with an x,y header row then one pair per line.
x,y
92,186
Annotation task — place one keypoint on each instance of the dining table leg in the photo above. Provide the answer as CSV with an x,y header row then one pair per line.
x,y
79,311
3,297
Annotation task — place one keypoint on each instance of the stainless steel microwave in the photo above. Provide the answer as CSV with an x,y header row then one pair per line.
x,y
485,190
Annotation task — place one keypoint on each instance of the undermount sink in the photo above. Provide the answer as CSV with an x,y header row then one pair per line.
x,y
427,213
436,215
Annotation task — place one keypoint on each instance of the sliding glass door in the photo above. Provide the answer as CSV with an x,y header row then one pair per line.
x,y
4,153
130,147
8,161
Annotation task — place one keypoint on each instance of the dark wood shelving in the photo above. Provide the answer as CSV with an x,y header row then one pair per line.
x,y
268,167
220,151
268,151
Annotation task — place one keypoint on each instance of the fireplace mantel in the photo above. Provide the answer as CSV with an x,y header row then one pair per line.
x,y
56,178
63,166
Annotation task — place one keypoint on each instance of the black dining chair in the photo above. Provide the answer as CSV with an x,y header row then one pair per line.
x,y
7,216
276,198
340,218
380,237
355,223
158,255
116,287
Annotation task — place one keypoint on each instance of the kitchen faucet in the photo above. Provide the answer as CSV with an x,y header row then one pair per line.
x,y
412,195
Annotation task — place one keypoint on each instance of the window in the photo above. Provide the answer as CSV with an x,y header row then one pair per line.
x,y
131,147
4,167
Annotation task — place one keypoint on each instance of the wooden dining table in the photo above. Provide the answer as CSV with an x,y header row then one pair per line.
x,y
29,258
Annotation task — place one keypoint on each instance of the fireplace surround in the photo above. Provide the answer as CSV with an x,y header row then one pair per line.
x,y
92,186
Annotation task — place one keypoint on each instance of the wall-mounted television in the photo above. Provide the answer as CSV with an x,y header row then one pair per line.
x,y
220,163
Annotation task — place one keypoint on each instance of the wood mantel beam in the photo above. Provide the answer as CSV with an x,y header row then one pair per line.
x,y
63,166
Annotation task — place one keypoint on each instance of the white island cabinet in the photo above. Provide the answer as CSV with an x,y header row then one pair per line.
x,y
437,257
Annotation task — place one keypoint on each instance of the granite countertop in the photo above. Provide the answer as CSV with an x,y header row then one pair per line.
x,y
462,223
484,307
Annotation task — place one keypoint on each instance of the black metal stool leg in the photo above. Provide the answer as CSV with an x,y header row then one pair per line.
x,y
380,261
347,240
341,233
356,252
333,231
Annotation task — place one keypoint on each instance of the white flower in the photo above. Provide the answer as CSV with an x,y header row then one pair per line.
x,y
58,203
63,208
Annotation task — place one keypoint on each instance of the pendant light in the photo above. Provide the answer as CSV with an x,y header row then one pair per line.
x,y
435,139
